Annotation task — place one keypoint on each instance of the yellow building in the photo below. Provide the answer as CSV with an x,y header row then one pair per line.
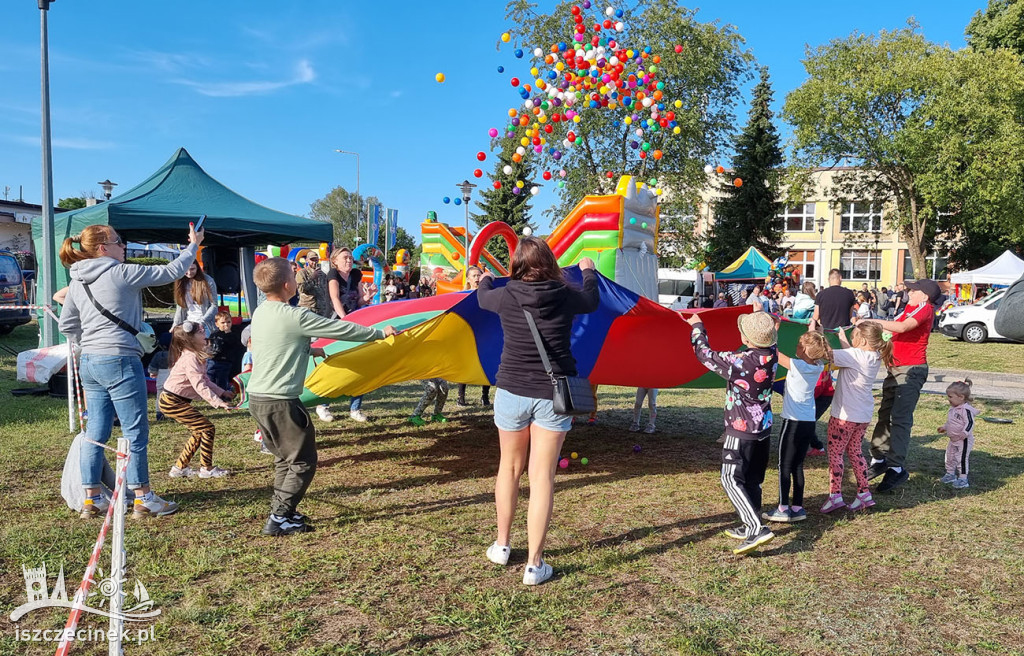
x,y
851,236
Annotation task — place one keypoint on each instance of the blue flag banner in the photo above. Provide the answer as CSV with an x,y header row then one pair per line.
x,y
392,228
375,224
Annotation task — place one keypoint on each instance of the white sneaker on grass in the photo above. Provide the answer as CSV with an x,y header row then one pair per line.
x,y
635,426
537,575
181,472
324,413
498,554
215,472
152,506
95,507
357,415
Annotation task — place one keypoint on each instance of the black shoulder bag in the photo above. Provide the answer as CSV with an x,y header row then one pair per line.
x,y
572,394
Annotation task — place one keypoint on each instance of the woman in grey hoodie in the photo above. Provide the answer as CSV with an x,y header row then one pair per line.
x,y
111,365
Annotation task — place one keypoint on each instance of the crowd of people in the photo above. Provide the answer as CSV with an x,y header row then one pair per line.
x,y
102,314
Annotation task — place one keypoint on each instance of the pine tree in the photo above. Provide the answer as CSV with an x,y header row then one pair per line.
x,y
503,204
746,216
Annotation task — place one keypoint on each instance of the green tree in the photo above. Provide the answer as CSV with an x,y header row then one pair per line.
x,y
339,208
1000,25
703,77
933,133
746,215
71,203
503,204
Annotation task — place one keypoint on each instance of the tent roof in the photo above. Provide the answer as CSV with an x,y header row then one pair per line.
x,y
1004,270
751,265
159,209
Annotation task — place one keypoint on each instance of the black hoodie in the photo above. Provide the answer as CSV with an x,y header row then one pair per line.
x,y
553,305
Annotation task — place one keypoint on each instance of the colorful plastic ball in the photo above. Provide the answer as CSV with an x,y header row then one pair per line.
x,y
609,175
637,448
574,455
564,463
481,156
561,173
493,132
439,77
458,201
719,169
561,184
546,175
501,69
527,231
632,220
506,37
642,225
534,191
516,190
497,184
514,81
657,154
709,169
584,461
518,53
586,4
446,200
507,169
679,47
477,173
738,182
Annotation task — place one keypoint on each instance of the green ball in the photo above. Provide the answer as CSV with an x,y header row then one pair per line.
x,y
644,225
653,68
584,461
652,181
645,146
661,85
632,221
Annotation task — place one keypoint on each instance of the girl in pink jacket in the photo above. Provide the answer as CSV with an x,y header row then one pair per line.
x,y
959,428
187,382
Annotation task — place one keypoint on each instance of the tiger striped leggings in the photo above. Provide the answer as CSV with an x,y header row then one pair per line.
x,y
180,410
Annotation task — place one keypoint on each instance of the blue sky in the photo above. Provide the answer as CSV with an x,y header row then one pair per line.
x,y
261,92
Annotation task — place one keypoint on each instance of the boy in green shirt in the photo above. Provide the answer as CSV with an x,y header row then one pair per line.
x,y
281,350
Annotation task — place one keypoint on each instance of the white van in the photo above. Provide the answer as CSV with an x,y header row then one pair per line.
x,y
677,287
973,323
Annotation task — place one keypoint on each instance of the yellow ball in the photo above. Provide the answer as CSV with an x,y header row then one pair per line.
x,y
524,142
629,120
576,119
519,183
559,67
678,104
676,130
506,37
439,77
574,455
534,71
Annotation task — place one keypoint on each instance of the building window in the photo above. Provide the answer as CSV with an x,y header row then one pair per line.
x,y
860,265
804,263
798,218
860,217
936,265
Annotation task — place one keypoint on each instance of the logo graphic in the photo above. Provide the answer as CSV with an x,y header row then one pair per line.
x,y
99,594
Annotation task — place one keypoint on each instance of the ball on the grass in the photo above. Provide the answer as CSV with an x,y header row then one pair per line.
x,y
574,455
584,461
637,448
564,463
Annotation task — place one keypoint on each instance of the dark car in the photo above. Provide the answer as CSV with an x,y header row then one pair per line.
x,y
12,293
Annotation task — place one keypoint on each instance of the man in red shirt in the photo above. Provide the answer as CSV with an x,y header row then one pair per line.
x,y
901,389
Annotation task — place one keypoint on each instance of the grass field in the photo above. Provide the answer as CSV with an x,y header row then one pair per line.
x,y
999,357
642,567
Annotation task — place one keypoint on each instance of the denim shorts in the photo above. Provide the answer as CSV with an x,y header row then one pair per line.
x,y
514,413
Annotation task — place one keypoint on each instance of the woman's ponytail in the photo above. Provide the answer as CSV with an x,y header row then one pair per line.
x,y
89,243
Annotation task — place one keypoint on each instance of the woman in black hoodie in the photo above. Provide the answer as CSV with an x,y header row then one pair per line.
x,y
527,425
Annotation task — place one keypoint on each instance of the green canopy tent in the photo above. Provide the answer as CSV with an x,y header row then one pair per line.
x,y
160,208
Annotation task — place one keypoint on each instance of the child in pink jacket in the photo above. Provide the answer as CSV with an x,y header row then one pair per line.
x,y
959,428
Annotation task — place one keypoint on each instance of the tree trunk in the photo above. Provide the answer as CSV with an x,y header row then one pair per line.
x,y
915,241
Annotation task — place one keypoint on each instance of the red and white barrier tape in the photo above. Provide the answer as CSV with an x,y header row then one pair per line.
x,y
45,308
87,579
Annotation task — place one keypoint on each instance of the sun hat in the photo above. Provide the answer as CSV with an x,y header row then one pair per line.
x,y
758,328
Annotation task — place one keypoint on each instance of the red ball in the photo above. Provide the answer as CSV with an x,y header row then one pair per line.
x,y
497,184
481,156
679,48
547,175
575,10
477,173
514,81
609,175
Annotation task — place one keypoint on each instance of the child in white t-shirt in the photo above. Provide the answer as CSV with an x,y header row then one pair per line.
x,y
798,421
853,408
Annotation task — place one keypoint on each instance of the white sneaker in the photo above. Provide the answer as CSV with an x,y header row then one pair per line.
x,y
91,508
537,575
216,472
634,427
178,472
154,507
324,413
357,415
650,428
498,554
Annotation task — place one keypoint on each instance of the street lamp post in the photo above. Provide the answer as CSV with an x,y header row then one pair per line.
x,y
108,187
878,260
48,327
359,198
821,250
467,191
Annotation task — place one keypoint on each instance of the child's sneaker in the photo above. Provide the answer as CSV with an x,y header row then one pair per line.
x,y
417,420
152,506
498,554
815,452
94,507
777,515
357,415
862,502
159,416
635,426
461,403
763,536
797,515
961,484
651,429
948,478
592,421
264,449
277,525
181,472
737,532
835,502
215,472
439,418
537,575
324,413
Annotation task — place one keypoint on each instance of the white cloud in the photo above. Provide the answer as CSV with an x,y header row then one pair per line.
x,y
396,94
303,74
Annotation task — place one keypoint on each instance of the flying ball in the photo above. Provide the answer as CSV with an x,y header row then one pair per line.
x,y
527,231
720,169
506,37
481,156
446,200
738,182
477,173
458,201
493,132
439,77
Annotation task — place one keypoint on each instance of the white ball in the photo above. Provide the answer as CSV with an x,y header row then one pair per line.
x,y
527,231
709,169
537,52
648,102
620,26
610,11
528,104
507,170
534,191
520,150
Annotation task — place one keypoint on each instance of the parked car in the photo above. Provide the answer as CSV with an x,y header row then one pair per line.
x,y
13,291
973,323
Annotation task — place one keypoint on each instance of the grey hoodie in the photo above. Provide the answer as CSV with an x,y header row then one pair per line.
x,y
118,288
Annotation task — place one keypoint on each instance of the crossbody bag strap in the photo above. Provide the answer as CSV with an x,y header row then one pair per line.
x,y
540,346
108,314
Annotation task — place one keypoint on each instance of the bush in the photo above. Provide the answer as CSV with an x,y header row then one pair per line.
x,y
161,296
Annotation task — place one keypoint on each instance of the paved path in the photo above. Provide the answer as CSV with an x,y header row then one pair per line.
x,y
986,385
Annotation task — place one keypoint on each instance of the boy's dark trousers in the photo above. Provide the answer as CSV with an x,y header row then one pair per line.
x,y
220,373
743,465
288,433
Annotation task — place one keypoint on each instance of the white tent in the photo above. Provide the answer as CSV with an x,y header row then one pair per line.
x,y
1004,270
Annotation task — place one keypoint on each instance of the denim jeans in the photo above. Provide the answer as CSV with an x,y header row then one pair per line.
x,y
115,384
356,403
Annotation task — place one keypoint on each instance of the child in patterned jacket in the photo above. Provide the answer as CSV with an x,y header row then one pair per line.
x,y
748,418
959,428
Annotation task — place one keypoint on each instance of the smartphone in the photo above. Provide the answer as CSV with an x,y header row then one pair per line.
x,y
200,222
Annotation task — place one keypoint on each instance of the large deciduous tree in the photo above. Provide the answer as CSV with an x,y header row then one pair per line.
x,y
346,212
1000,25
703,78
746,215
935,134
